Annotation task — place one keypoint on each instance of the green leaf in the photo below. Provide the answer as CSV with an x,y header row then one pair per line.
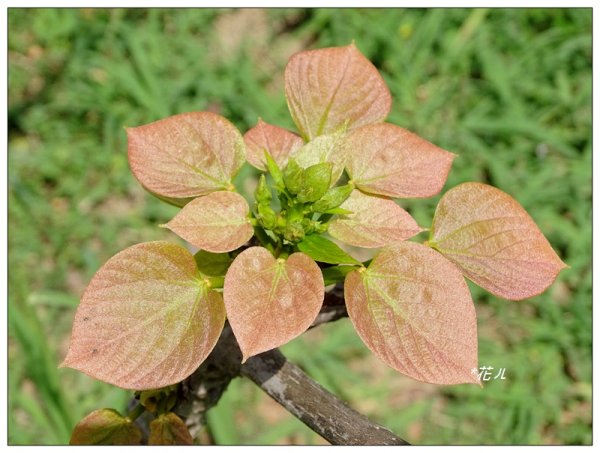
x,y
333,198
212,264
141,315
322,249
169,429
315,182
105,427
336,274
274,170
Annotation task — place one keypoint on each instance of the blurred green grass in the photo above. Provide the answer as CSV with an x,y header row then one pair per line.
x,y
509,90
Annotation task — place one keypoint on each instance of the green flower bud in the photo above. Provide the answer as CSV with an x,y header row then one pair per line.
x,y
267,216
315,182
293,232
263,193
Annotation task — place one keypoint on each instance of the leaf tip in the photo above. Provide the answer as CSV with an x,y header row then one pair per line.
x,y
66,363
473,377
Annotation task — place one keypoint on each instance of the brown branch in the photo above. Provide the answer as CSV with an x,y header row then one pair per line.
x,y
320,410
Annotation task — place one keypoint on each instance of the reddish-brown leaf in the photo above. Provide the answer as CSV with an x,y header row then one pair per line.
x,y
271,301
329,88
169,429
278,142
494,241
105,427
413,309
218,222
374,222
186,155
146,320
384,159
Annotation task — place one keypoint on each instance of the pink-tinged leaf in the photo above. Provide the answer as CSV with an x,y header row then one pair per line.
x,y
494,241
271,301
325,148
413,309
278,142
327,89
169,429
387,160
105,427
146,320
374,222
218,222
186,155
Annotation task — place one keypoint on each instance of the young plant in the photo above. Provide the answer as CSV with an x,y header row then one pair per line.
x,y
153,313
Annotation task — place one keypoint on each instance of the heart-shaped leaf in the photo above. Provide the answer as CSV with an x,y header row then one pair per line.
x,y
322,249
218,222
413,309
146,320
278,142
494,241
186,155
374,222
329,88
271,301
105,427
326,148
384,159
169,429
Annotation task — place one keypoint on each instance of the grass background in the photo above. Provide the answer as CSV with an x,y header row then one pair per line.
x,y
509,90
